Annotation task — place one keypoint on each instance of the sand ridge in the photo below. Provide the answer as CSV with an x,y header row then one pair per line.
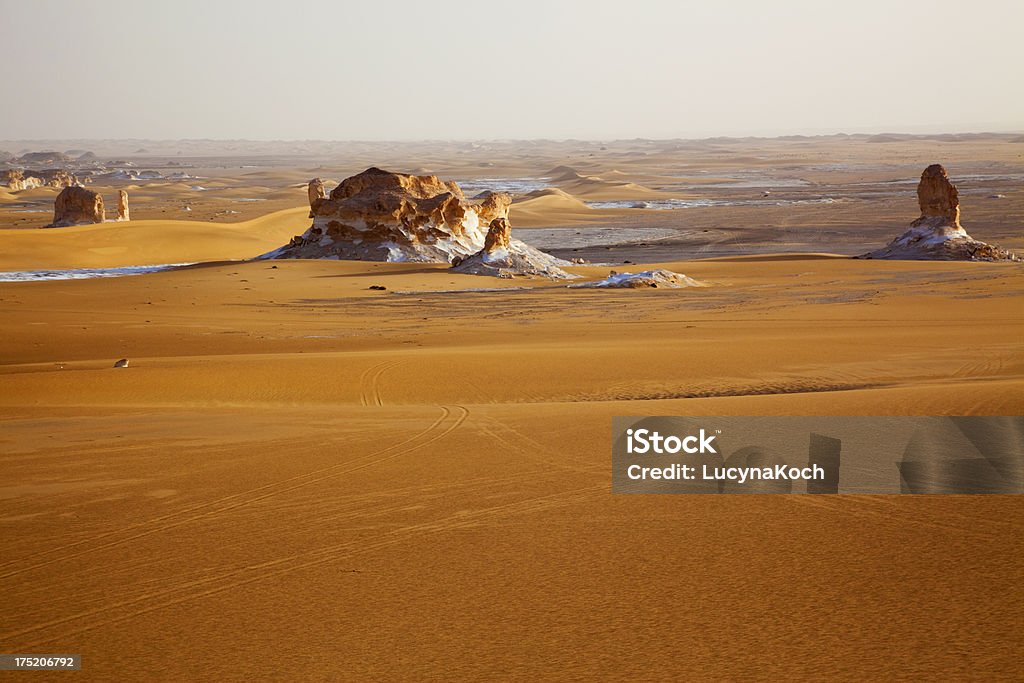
x,y
146,242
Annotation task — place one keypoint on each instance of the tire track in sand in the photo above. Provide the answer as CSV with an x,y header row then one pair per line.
x,y
369,382
243,575
449,421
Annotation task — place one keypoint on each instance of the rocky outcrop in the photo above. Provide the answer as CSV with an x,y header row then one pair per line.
x,y
122,206
502,256
937,233
378,215
316,191
938,198
499,236
16,181
492,205
653,279
57,177
77,206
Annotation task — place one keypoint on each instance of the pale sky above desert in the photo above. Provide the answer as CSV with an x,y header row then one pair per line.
x,y
467,70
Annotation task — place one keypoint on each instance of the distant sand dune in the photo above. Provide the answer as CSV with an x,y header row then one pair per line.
x,y
38,193
550,206
147,242
596,187
552,196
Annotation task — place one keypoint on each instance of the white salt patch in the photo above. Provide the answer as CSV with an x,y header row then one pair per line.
x,y
670,204
499,254
510,185
647,278
930,237
84,273
471,222
395,253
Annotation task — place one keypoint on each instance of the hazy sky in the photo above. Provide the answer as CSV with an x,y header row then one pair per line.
x,y
391,69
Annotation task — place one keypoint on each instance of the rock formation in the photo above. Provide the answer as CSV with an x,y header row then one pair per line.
x,y
504,257
17,181
938,198
382,216
316,191
13,179
56,177
77,206
499,236
61,178
937,233
122,206
646,279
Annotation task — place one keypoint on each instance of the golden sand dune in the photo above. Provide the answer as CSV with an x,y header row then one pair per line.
x,y
144,242
598,188
37,193
554,207
555,197
563,173
174,189
550,206
595,187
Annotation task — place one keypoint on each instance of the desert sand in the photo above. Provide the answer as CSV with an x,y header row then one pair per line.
x,y
300,476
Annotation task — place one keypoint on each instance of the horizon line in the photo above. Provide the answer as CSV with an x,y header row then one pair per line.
x,y
531,139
